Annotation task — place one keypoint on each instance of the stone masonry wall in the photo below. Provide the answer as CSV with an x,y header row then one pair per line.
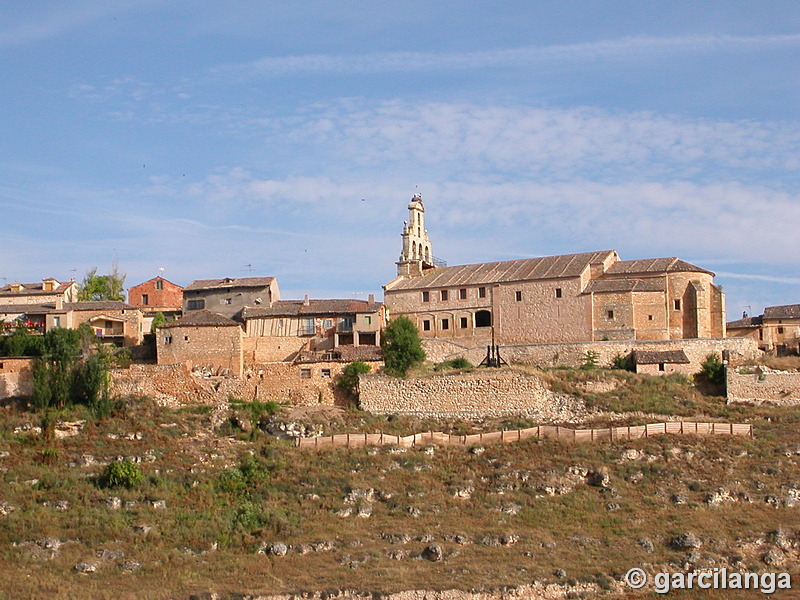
x,y
271,349
469,395
763,385
16,377
573,354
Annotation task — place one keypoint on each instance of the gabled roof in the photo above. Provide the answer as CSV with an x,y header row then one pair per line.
x,y
228,282
652,357
671,264
329,307
599,286
545,267
28,309
787,311
98,305
745,323
202,318
155,279
35,289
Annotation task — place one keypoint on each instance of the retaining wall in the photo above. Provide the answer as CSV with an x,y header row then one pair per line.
x,y
484,393
757,385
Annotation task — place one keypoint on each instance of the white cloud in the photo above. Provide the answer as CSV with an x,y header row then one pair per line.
x,y
623,48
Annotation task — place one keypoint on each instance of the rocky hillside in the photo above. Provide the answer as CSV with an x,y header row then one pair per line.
x,y
206,501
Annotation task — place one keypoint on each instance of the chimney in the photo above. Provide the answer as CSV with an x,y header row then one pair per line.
x,y
371,298
306,302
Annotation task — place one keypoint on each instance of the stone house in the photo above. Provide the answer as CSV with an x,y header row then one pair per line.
x,y
588,296
662,362
49,292
113,322
32,317
202,339
314,329
157,295
777,330
229,296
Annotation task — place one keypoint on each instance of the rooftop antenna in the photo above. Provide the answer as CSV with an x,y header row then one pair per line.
x,y
249,268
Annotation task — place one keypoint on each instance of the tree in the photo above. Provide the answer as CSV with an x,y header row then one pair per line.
x,y
102,287
159,320
348,380
401,346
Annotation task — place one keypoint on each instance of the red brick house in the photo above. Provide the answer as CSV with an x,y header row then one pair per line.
x,y
157,295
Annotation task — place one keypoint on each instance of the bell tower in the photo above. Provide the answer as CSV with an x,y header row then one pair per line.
x,y
416,255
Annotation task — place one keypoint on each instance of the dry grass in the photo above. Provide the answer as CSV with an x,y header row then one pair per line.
x,y
234,495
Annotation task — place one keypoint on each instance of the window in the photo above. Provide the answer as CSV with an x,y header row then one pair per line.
x,y
145,300
186,338
780,329
426,296
660,366
649,317
227,300
195,304
677,304
368,320
159,285
308,326
558,293
610,315
305,373
445,323
483,318
518,296
327,323
56,321
464,322
445,295
426,325
325,373
462,294
481,292
168,339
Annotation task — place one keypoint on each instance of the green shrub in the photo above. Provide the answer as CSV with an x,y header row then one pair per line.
x,y
456,363
401,346
623,362
590,360
348,380
713,370
121,473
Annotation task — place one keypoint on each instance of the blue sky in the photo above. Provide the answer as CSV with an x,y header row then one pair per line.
x,y
227,139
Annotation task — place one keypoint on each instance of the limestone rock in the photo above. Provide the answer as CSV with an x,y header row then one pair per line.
x,y
86,567
433,553
686,541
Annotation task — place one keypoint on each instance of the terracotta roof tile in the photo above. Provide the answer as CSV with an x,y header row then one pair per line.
x,y
787,311
291,308
671,264
210,284
202,318
653,357
545,267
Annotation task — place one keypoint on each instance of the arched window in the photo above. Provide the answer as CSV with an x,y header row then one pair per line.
x,y
413,250
483,318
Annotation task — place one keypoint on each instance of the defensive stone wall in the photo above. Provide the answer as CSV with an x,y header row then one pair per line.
x,y
491,393
573,354
757,385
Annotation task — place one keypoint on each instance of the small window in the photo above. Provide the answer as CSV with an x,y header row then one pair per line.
x,y
481,292
610,315
368,320
159,285
195,304
227,300
518,296
168,339
649,317
145,300
462,294
426,296
445,295
308,326
325,373
780,329
186,338
661,366
677,304
445,323
305,373
464,322
327,323
558,293
56,321
426,325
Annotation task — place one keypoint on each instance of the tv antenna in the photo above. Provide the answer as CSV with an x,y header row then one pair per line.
x,y
249,268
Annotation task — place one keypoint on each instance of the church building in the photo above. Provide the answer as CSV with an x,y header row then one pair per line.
x,y
590,296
